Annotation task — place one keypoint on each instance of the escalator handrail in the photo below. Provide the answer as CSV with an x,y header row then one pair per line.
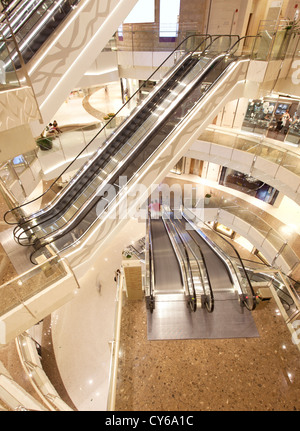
x,y
7,8
63,192
204,262
108,141
127,102
203,41
60,231
267,275
82,171
47,16
151,260
270,266
6,19
239,258
187,260
79,238
238,41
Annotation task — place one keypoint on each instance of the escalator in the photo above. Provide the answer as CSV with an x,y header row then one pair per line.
x,y
31,22
229,281
89,194
168,282
228,288
57,41
179,274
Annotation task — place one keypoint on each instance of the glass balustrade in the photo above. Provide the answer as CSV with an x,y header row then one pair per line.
x,y
20,289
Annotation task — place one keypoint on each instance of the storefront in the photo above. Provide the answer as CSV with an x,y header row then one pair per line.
x,y
279,120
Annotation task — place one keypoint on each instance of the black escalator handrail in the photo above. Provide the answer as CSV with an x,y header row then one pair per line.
x,y
206,37
7,8
238,41
204,262
7,18
240,260
67,203
270,266
267,275
60,232
59,236
188,263
127,102
151,261
49,13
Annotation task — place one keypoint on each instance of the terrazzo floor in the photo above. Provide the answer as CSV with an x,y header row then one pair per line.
x,y
241,374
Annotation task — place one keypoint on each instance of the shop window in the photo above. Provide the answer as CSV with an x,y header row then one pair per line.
x,y
248,184
224,230
278,120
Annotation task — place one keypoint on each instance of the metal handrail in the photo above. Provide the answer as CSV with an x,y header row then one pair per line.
x,y
188,269
239,258
64,228
126,103
151,264
77,239
205,266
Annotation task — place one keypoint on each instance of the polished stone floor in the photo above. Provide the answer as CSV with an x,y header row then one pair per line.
x,y
200,375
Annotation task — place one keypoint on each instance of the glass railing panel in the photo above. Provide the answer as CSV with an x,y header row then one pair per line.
x,y
262,45
146,125
16,291
248,146
293,135
8,75
290,257
274,239
291,162
223,43
226,249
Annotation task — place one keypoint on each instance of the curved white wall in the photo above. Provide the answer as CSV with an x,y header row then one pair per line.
x,y
246,230
277,176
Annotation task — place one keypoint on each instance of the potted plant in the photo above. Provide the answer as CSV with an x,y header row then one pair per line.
x,y
207,198
127,254
109,119
44,143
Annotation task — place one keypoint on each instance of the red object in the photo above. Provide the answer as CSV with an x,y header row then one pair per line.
x,y
236,10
